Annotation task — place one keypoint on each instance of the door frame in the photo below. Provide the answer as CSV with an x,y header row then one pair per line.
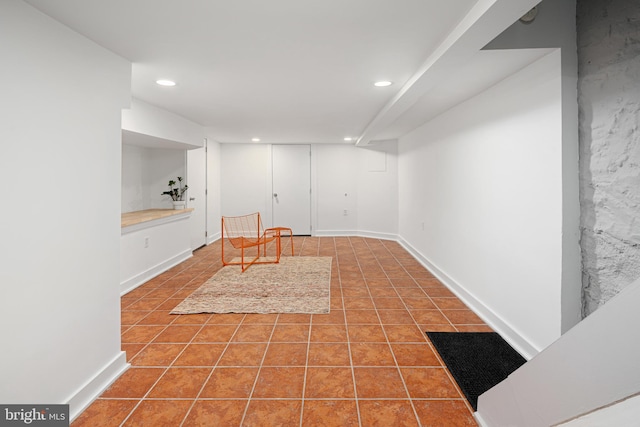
x,y
198,201
271,189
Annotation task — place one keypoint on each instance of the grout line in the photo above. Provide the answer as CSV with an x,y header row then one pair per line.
x,y
166,368
204,384
306,362
404,383
353,371
306,370
443,365
255,381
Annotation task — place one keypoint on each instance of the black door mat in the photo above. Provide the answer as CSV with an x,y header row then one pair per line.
x,y
477,360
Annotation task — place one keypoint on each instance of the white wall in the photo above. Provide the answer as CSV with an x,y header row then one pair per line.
x,y
134,195
245,181
59,284
147,124
150,248
162,166
555,27
145,175
378,190
480,201
335,189
336,170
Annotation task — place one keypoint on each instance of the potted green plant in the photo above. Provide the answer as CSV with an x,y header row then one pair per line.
x,y
176,192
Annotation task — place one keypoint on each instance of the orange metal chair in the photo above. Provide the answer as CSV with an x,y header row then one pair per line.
x,y
246,231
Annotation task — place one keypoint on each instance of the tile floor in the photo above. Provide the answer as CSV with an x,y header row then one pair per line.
x,y
367,363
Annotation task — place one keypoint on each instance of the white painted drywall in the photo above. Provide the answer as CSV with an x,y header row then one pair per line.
x,y
378,190
61,112
593,365
340,180
335,189
135,196
485,181
555,27
145,175
145,124
150,248
246,183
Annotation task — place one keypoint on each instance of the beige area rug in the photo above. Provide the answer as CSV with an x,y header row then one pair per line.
x,y
295,285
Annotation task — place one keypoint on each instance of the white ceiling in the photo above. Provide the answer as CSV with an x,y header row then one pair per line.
x,y
302,70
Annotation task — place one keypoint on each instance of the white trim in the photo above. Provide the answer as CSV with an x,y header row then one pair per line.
x,y
334,233
93,388
481,422
351,233
526,349
213,238
133,282
381,236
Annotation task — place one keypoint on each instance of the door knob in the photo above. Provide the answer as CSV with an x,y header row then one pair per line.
x,y
275,194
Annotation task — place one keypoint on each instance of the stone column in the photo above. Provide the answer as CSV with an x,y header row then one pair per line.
x,y
609,102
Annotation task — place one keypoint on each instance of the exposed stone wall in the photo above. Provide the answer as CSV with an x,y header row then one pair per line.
x,y
609,100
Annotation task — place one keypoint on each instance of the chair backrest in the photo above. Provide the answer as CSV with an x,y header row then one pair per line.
x,y
247,226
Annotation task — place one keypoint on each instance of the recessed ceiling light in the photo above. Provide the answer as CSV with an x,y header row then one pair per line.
x,y
255,139
348,138
382,83
163,82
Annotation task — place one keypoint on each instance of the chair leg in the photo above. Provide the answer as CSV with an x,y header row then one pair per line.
x,y
291,241
224,262
288,230
278,247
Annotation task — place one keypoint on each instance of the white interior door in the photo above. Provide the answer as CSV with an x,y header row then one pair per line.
x,y
196,195
291,199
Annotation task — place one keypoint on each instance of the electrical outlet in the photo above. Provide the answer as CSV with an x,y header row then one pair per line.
x,y
146,242
345,212
422,225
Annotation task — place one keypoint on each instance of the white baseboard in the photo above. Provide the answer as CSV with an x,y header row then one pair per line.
x,y
353,233
213,238
526,349
334,233
481,422
90,391
377,235
140,278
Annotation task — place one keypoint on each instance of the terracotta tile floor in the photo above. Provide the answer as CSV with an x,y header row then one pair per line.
x,y
367,363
